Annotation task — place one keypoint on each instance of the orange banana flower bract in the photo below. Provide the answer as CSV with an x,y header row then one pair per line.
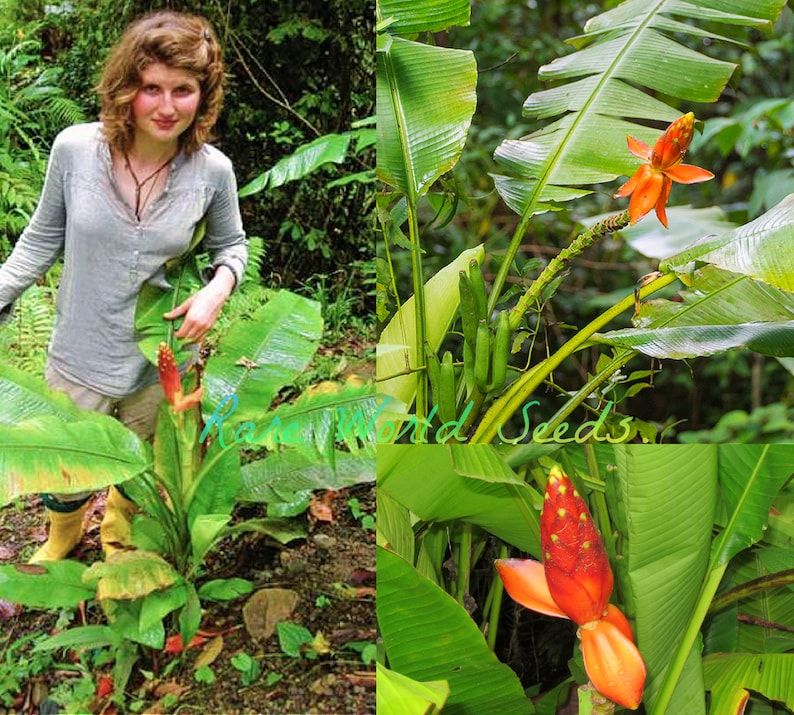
x,y
651,183
613,663
575,581
172,382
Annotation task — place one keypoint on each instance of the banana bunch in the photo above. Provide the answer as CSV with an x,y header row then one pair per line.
x,y
486,348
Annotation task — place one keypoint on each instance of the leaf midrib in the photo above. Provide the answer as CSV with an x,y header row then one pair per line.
x,y
607,75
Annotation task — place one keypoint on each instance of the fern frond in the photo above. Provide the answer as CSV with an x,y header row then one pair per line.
x,y
601,91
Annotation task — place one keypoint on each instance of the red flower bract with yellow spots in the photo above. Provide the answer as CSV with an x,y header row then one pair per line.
x,y
172,382
651,183
574,558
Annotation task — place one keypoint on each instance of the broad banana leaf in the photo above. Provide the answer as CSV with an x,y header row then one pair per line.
x,y
428,636
730,677
261,355
57,584
217,484
49,455
399,695
598,94
182,275
661,569
407,17
426,480
26,396
131,575
327,149
742,297
426,98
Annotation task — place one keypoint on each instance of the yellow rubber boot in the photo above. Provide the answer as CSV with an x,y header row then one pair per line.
x,y
116,527
66,531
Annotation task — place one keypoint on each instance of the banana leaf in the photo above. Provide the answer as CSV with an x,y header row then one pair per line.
x,y
731,676
58,584
183,276
399,695
601,90
261,355
26,396
407,16
426,98
48,455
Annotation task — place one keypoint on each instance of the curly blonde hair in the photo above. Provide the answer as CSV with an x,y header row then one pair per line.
x,y
178,40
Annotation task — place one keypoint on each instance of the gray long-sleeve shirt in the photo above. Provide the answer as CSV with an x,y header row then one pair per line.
x,y
109,254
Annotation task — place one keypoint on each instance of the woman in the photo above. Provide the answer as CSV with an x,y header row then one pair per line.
x,y
121,197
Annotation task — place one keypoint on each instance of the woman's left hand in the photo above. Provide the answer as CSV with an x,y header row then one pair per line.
x,y
202,308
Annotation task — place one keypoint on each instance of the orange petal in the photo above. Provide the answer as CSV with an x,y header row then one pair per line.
x,y
688,174
613,663
525,582
661,213
168,373
182,403
628,188
615,616
646,195
574,558
638,148
672,145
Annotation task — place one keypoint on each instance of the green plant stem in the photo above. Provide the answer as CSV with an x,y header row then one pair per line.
x,y
745,590
419,310
591,702
687,642
494,600
557,264
509,257
599,495
509,403
617,362
464,563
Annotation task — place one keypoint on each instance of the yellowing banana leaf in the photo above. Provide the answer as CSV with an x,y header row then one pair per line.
x,y
426,98
399,695
262,354
624,55
49,455
731,676
131,575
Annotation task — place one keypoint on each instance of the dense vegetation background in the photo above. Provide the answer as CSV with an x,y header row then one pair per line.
x,y
747,143
297,70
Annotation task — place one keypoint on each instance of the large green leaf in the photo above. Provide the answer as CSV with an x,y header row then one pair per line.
x,y
429,636
396,349
327,149
426,480
56,584
399,695
262,354
760,249
750,478
663,500
131,575
730,677
49,455
26,396
407,16
426,99
183,279
598,94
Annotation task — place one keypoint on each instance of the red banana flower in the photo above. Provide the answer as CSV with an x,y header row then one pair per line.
x,y
651,183
172,382
575,581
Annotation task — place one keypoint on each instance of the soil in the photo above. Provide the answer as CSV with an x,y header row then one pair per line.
x,y
332,572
